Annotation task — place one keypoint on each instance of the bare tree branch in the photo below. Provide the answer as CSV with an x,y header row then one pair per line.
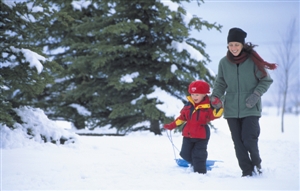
x,y
287,75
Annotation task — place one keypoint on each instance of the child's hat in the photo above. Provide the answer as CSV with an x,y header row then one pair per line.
x,y
199,87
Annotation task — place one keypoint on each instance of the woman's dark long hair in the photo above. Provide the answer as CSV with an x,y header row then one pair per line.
x,y
249,47
259,62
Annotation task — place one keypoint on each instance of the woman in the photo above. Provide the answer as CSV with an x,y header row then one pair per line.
x,y
242,75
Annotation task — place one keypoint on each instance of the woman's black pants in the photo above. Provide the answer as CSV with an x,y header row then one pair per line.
x,y
245,132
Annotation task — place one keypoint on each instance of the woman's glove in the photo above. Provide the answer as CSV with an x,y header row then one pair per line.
x,y
252,99
170,126
215,102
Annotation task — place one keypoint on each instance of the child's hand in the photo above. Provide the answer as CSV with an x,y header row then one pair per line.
x,y
170,126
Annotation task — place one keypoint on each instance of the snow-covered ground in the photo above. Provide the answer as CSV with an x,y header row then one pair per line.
x,y
143,161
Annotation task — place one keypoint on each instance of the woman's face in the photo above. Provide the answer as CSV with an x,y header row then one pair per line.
x,y
235,48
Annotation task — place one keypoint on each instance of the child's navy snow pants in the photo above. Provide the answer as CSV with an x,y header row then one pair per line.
x,y
194,151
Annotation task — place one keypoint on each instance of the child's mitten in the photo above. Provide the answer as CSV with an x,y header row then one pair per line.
x,y
170,126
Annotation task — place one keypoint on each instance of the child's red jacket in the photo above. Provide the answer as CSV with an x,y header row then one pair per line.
x,y
195,118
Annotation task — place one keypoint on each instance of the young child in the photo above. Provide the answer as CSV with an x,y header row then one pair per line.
x,y
196,114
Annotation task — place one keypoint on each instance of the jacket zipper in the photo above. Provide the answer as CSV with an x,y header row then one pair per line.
x,y
238,81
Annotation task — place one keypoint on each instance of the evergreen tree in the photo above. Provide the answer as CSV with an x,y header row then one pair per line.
x,y
73,43
21,76
102,43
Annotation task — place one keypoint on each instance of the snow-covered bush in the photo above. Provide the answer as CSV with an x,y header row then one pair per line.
x,y
36,127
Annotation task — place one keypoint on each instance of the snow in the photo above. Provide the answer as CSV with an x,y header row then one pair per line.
x,y
81,110
171,105
79,5
143,161
31,57
180,46
128,78
39,124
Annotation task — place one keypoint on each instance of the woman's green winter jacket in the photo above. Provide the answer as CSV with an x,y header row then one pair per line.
x,y
237,82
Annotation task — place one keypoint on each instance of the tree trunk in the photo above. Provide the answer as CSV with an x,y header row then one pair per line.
x,y
79,122
282,116
284,101
154,127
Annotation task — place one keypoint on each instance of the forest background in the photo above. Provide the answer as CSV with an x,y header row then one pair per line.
x,y
98,63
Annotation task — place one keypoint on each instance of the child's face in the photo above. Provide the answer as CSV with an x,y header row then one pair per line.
x,y
197,98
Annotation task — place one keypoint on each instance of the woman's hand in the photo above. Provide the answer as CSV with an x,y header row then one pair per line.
x,y
252,100
216,102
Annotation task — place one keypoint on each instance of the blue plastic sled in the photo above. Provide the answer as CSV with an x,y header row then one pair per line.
x,y
184,163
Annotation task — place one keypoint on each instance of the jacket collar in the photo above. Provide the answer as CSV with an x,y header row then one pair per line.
x,y
202,105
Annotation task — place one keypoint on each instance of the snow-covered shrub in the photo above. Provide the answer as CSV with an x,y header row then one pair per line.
x,y
36,127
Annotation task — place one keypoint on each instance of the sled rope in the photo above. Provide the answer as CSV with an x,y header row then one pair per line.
x,y
173,146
